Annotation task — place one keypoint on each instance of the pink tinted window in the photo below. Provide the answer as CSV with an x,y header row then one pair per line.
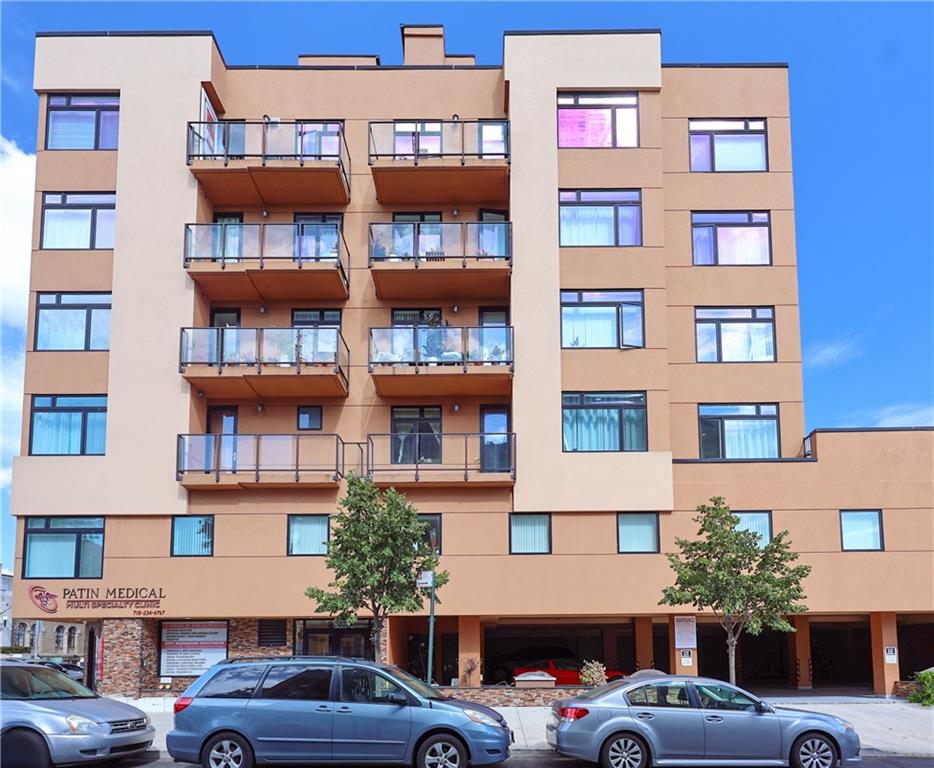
x,y
743,245
584,128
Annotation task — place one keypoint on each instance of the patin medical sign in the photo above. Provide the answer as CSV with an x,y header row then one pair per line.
x,y
136,600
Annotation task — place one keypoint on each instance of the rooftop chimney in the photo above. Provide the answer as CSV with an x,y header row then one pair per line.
x,y
424,44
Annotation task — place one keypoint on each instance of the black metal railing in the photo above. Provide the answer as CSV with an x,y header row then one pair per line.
x,y
436,241
417,140
434,452
422,345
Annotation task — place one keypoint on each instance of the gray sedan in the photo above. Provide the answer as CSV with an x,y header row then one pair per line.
x,y
680,720
47,719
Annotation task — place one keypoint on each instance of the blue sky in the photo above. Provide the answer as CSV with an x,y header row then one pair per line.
x,y
862,79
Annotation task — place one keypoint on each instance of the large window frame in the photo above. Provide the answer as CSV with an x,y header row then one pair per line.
x,y
761,412
547,516
172,542
432,521
615,199
718,317
711,127
613,102
715,221
620,300
288,535
568,404
58,302
50,404
619,539
879,523
108,103
93,202
426,415
31,530
748,513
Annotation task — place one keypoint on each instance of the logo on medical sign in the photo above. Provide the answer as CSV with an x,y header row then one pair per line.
x,y
44,600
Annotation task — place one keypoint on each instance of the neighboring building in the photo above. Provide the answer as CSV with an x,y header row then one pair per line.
x,y
554,301
57,640
6,607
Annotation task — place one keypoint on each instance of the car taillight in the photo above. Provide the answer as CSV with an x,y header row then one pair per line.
x,y
573,713
181,702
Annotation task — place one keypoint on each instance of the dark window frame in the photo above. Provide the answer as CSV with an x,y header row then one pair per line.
x,y
421,314
615,205
189,517
393,419
878,511
58,306
754,417
288,536
84,410
619,313
710,133
612,107
69,107
320,323
326,130
536,514
423,517
416,133
719,321
619,406
742,224
658,536
66,206
298,418
77,532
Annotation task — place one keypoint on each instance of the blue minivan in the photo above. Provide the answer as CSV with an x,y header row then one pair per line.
x,y
329,709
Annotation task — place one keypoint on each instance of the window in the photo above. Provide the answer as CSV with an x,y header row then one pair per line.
x,y
416,138
416,317
20,637
321,141
604,421
432,525
724,698
637,532
233,683
68,425
309,417
598,120
492,138
72,321
78,220
665,694
731,239
289,681
602,319
308,534
416,435
72,638
728,145
311,318
735,335
82,121
756,522
271,633
738,431
600,217
63,548
59,638
363,686
192,536
529,534
861,530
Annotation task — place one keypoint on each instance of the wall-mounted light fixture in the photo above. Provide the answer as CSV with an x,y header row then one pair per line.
x,y
259,408
456,308
456,407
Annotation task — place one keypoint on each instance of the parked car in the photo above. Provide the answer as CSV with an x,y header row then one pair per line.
x,y
69,670
48,719
564,671
331,709
677,720
499,666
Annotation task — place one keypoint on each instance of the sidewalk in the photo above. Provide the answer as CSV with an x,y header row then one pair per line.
x,y
885,726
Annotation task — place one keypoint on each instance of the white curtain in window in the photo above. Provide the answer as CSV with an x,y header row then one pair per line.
x,y
56,434
861,530
308,535
530,534
737,152
747,342
750,438
638,532
67,229
587,225
584,326
193,536
50,555
591,429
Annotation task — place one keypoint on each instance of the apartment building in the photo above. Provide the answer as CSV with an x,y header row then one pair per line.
x,y
554,301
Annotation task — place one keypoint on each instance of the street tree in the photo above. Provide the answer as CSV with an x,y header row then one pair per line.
x,y
749,584
376,552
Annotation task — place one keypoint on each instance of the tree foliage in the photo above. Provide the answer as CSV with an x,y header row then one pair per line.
x,y
376,552
748,585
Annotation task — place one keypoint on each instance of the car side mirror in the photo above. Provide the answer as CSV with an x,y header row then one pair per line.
x,y
763,706
397,697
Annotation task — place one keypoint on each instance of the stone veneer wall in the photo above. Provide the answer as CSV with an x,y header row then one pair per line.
x,y
506,696
122,670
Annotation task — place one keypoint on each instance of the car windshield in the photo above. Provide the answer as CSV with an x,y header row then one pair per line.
x,y
36,683
419,686
601,690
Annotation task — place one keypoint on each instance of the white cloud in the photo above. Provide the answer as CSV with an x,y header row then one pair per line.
x,y
900,415
829,354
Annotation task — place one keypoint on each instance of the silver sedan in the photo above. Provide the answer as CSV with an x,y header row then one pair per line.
x,y
680,720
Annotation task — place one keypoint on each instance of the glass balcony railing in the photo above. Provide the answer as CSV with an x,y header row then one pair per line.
x,y
416,140
319,345
440,345
299,140
440,451
429,241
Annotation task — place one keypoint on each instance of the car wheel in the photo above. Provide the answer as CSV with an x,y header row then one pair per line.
x,y
624,750
227,750
813,750
24,749
442,751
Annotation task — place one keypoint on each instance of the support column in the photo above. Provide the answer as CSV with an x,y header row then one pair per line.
x,y
645,642
800,642
122,657
609,647
680,659
884,636
468,647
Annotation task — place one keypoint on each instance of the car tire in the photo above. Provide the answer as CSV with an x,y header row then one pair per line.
x,y
813,750
230,745
624,750
441,745
24,749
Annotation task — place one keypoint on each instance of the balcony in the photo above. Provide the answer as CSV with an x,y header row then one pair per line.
x,y
230,462
446,459
263,262
434,260
270,162
454,161
415,360
265,362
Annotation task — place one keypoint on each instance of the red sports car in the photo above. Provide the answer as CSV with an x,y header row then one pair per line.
x,y
564,671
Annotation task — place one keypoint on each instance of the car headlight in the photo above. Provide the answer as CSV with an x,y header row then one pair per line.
x,y
846,724
481,717
80,725
148,721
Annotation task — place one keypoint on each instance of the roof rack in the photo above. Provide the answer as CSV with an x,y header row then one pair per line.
x,y
242,659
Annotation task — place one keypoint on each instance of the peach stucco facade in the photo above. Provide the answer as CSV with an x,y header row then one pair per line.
x,y
166,81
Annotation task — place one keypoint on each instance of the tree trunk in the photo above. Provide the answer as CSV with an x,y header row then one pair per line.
x,y
731,654
376,638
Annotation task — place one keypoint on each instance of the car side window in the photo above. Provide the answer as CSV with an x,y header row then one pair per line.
x,y
363,686
667,694
233,683
297,683
722,697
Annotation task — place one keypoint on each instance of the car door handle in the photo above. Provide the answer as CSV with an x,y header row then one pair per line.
x,y
645,716
344,710
324,708
713,719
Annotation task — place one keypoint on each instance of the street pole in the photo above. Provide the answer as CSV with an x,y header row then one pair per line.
x,y
431,630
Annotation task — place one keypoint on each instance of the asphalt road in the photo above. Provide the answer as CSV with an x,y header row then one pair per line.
x,y
534,759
